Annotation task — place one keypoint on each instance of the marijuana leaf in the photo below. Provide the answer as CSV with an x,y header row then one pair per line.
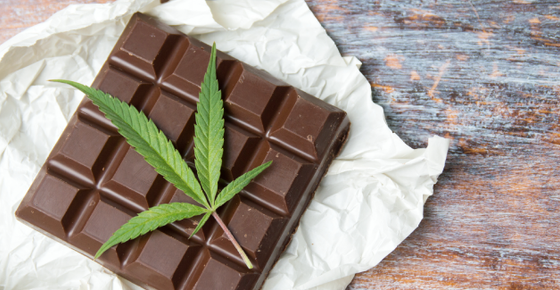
x,y
209,131
201,223
151,219
237,185
143,135
147,139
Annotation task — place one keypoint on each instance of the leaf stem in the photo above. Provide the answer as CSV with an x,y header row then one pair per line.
x,y
233,240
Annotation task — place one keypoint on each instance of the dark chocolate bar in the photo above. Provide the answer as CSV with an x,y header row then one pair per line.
x,y
93,181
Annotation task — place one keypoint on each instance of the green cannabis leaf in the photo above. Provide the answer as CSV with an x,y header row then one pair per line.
x,y
147,139
143,135
209,132
150,220
237,185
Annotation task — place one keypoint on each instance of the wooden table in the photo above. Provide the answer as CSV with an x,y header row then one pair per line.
x,y
485,74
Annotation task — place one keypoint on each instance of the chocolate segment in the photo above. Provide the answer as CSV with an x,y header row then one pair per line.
x,y
81,155
93,181
97,226
239,146
50,207
252,99
254,227
162,260
175,118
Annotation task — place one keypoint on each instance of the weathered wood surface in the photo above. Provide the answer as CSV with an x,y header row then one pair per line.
x,y
485,74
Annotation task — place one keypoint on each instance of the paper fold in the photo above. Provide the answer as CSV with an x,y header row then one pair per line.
x,y
370,200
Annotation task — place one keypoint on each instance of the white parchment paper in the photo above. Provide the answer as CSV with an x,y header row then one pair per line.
x,y
371,199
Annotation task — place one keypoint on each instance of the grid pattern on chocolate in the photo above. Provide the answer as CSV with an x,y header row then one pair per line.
x,y
105,182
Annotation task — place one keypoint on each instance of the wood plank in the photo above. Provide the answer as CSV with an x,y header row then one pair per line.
x,y
486,75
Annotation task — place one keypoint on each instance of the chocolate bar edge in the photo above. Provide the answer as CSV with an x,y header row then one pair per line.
x,y
344,131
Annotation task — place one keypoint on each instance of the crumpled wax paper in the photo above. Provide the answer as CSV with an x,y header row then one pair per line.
x,y
370,200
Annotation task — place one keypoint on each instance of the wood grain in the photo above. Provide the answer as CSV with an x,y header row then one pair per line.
x,y
485,74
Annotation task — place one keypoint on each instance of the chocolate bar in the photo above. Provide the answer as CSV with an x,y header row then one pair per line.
x,y
93,181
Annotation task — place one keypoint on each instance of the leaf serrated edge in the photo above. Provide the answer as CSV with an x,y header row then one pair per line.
x,y
142,134
209,131
201,223
238,184
150,220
